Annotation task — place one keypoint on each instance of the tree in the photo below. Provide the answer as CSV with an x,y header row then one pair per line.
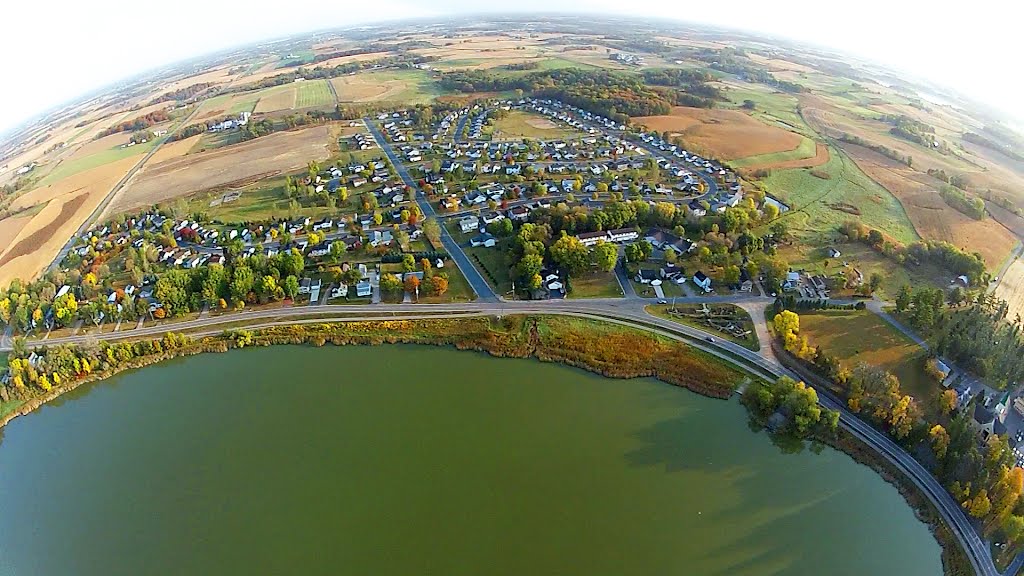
x,y
437,284
242,282
291,286
605,256
947,401
940,440
412,283
390,284
432,230
408,263
979,506
903,298
731,275
570,253
875,281
528,268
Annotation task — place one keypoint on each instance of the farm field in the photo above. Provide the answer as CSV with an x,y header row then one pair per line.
x,y
931,216
9,229
67,204
725,134
822,198
260,200
861,336
73,166
254,159
296,96
806,154
1011,289
393,86
518,124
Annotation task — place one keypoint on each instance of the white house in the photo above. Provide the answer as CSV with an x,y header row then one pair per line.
x,y
469,223
623,235
700,279
485,240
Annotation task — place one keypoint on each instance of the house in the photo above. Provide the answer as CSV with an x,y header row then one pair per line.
x,y
492,217
381,238
701,280
792,281
469,224
520,213
834,253
746,284
623,235
697,209
451,202
985,422
340,291
485,240
364,289
591,238
304,285
646,276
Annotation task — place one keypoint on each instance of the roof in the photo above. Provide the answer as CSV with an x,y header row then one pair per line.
x,y
700,276
647,273
982,415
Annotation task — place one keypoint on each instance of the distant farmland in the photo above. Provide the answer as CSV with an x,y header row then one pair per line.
x,y
297,96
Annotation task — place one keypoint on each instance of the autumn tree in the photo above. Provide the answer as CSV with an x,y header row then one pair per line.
x,y
605,256
571,254
940,440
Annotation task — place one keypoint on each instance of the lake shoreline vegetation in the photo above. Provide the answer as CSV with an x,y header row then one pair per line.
x,y
609,350
44,373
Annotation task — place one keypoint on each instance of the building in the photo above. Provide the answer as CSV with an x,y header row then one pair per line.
x,y
485,240
469,224
623,235
833,252
364,289
592,238
701,279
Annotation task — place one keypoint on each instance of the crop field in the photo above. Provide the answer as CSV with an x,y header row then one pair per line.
x,y
236,164
725,134
9,229
932,217
517,125
78,164
274,99
393,86
804,155
823,198
861,336
1011,289
65,205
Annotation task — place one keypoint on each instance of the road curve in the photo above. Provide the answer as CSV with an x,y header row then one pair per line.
x,y
621,311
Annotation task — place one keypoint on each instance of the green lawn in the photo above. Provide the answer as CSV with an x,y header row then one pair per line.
x,y
458,288
741,318
491,262
861,336
8,407
261,201
805,150
313,94
819,205
595,285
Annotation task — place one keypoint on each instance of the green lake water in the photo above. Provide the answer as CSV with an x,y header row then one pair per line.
x,y
401,460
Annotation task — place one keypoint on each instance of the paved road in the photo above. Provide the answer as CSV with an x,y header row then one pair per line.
x,y
619,310
476,280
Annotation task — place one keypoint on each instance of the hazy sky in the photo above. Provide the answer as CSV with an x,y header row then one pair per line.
x,y
53,51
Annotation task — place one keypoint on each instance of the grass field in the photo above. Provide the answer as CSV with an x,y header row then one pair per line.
x,y
494,268
819,205
392,86
770,106
861,336
313,94
518,124
807,149
595,285
1011,288
95,160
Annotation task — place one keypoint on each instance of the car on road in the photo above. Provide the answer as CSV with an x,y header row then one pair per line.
x,y
662,301
709,339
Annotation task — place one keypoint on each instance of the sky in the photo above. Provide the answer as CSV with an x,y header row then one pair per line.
x,y
965,46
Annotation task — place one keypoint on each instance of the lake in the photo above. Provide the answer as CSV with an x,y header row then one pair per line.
x,y
401,460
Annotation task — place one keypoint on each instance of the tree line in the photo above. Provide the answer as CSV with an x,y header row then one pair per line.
x,y
140,123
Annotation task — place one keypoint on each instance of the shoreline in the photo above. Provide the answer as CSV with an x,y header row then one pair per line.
x,y
524,341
